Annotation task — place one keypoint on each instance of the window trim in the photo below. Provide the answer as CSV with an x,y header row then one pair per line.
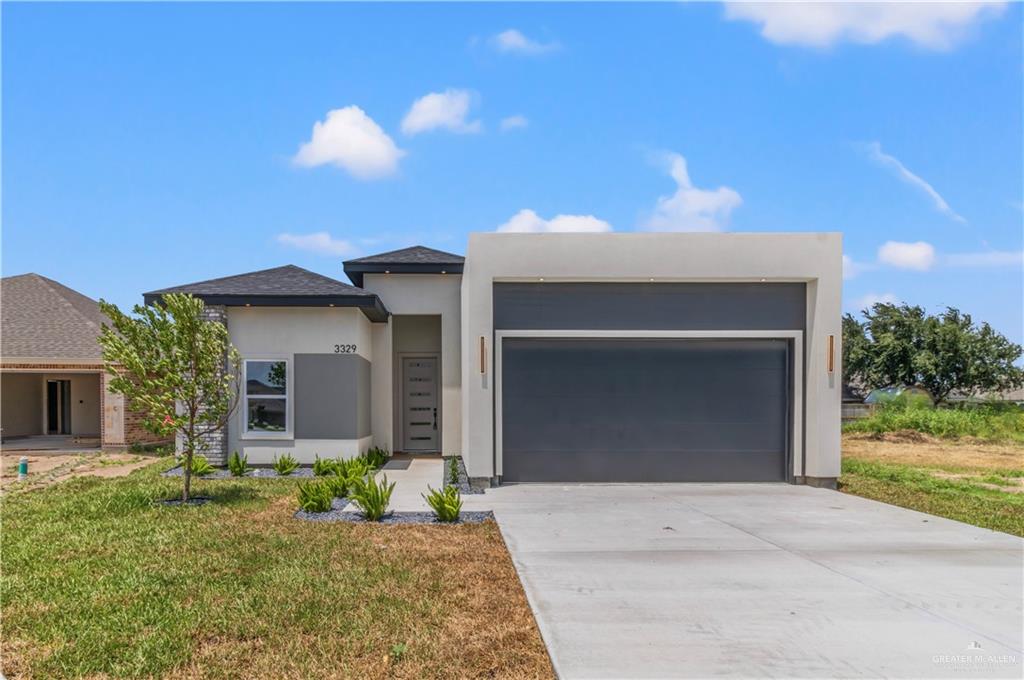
x,y
245,432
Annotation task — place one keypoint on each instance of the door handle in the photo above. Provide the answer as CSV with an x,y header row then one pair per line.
x,y
435,417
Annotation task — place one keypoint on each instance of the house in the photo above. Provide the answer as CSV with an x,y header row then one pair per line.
x,y
52,381
551,357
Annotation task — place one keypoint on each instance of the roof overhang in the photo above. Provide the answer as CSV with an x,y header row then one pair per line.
x,y
370,305
355,270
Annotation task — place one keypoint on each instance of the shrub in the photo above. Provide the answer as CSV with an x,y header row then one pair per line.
x,y
285,465
376,457
372,497
337,484
238,464
983,422
324,466
201,466
447,503
315,496
453,470
353,468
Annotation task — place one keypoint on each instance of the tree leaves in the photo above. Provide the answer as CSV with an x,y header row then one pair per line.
x,y
902,345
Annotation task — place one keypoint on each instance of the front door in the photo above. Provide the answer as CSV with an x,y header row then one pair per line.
x,y
58,407
419,404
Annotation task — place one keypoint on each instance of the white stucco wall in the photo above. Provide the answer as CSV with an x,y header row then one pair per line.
x,y
814,258
420,294
281,333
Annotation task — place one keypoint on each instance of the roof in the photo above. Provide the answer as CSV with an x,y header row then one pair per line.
x,y
414,260
47,320
287,286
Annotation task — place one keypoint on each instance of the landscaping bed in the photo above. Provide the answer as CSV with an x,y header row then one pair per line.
x,y
464,487
337,513
101,581
257,472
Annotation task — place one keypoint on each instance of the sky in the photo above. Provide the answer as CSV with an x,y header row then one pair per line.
x,y
150,145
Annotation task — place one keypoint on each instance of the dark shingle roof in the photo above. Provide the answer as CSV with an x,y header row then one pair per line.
x,y
412,255
413,260
45,319
281,286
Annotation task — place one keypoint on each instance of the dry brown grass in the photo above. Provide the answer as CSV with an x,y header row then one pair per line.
x,y
921,450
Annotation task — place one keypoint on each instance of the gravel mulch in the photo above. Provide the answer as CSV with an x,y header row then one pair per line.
x,y
463,486
303,472
337,513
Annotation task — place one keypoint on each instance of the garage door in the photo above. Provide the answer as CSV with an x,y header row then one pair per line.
x,y
644,410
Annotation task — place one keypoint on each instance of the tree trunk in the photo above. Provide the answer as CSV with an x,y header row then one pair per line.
x,y
188,474
189,453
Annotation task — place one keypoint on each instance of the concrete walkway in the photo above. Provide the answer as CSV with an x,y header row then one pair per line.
x,y
732,580
411,475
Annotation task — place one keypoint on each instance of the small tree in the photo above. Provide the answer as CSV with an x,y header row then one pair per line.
x,y
902,345
175,367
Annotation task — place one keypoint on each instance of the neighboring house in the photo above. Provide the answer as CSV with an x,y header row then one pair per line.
x,y
551,357
52,380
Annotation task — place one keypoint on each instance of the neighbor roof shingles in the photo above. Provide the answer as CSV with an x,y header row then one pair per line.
x,y
40,318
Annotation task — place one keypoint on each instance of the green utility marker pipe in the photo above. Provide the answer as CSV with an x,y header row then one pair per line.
x,y
22,468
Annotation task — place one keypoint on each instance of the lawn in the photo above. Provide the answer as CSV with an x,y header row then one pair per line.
x,y
98,581
977,482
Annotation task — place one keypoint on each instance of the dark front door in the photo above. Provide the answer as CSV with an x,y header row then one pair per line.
x,y
58,407
644,410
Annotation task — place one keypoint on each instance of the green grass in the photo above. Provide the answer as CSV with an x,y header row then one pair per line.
x,y
98,580
965,500
985,423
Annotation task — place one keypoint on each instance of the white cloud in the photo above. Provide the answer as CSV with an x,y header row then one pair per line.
x,y
853,269
988,259
436,110
919,256
514,42
318,242
875,152
527,221
933,25
690,208
871,299
350,139
514,123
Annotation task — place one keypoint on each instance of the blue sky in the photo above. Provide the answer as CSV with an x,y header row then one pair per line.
x,y
156,144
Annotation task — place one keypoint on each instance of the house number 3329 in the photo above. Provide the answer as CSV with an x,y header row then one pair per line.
x,y
344,349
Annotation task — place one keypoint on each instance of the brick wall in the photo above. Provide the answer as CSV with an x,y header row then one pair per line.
x,y
215,445
135,433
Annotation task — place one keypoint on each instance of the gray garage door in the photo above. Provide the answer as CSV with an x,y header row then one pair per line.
x,y
644,410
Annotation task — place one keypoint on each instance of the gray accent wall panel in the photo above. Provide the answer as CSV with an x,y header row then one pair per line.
x,y
644,410
650,306
332,396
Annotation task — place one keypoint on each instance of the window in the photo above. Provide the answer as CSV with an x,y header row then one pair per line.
x,y
266,396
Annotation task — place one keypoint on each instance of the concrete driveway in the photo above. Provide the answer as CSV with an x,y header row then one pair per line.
x,y
737,580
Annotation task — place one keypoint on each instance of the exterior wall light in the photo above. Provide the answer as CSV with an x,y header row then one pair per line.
x,y
483,356
831,358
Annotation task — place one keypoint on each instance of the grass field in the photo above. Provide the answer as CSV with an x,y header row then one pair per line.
x,y
987,423
98,581
981,483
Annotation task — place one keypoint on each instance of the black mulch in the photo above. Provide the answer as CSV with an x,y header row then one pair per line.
x,y
194,500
